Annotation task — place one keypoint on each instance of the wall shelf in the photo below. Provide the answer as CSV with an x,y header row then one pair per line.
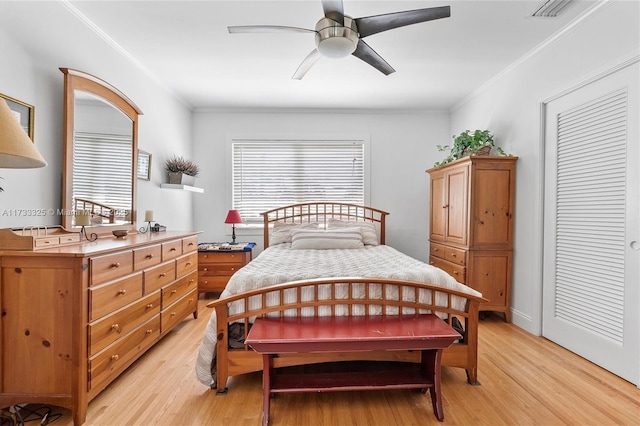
x,y
183,187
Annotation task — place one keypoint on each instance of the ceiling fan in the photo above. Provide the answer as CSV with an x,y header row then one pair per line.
x,y
338,35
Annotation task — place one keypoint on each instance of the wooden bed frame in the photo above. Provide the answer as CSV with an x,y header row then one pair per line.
x,y
231,362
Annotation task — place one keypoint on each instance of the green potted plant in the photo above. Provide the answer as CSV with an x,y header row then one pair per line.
x,y
181,171
478,142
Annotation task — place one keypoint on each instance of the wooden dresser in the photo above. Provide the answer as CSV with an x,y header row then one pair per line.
x,y
215,267
75,317
471,225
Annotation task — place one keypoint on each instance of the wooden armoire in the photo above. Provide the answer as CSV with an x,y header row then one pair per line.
x,y
471,225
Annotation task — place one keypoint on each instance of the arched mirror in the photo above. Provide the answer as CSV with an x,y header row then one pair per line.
x,y
100,154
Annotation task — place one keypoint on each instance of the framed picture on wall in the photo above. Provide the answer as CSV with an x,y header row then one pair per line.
x,y
144,165
24,113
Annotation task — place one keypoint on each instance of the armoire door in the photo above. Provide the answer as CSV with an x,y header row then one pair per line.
x,y
591,277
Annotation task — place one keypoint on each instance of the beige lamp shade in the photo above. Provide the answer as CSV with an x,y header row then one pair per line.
x,y
16,149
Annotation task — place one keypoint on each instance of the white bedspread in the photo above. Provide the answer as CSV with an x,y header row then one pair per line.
x,y
279,264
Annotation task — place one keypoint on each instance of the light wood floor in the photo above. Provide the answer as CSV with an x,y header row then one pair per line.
x,y
525,380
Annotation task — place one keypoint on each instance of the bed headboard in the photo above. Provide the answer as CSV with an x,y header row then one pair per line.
x,y
321,212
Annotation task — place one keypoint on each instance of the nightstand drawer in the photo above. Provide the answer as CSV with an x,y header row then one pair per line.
x,y
212,269
213,284
223,257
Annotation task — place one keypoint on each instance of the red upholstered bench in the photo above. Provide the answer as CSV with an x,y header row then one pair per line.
x,y
427,333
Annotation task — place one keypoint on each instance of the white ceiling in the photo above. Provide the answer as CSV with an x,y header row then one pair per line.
x,y
185,45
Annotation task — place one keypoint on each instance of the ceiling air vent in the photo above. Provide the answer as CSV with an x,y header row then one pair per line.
x,y
551,8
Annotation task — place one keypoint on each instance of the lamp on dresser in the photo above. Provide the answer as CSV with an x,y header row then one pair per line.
x,y
233,217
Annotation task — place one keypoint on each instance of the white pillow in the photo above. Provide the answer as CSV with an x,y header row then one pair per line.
x,y
345,238
281,232
368,229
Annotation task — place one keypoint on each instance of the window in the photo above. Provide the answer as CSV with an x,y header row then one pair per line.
x,y
271,173
95,163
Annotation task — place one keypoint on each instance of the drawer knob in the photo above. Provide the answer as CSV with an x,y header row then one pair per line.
x,y
173,249
150,306
174,291
205,269
149,331
173,314
233,269
188,263
150,256
190,244
191,299
435,249
455,272
115,265
115,327
122,291
453,254
114,357
191,281
162,275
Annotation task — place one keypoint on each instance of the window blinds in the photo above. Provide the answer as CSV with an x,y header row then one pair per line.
x,y
272,173
102,165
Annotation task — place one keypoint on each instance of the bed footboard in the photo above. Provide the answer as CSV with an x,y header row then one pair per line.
x,y
343,296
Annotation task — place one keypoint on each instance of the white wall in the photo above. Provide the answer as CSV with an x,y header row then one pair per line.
x,y
34,44
510,107
402,147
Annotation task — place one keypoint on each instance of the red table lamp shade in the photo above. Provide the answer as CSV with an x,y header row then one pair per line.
x,y
233,217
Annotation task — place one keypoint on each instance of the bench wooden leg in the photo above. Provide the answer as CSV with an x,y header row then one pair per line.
x,y
431,360
267,371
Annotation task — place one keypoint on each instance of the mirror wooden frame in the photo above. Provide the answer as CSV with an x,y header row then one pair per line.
x,y
78,80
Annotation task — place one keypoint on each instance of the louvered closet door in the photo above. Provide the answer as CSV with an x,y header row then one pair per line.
x,y
591,233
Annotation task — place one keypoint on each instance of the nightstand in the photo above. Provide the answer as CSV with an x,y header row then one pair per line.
x,y
217,262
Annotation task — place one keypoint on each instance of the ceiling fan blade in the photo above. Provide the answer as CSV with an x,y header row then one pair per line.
x,y
267,29
334,10
306,64
368,55
378,23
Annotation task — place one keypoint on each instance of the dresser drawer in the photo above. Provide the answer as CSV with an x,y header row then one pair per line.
x,y
218,269
189,244
176,312
437,250
223,257
114,295
456,271
171,250
106,365
187,264
175,291
109,329
111,266
159,276
454,255
147,257
213,283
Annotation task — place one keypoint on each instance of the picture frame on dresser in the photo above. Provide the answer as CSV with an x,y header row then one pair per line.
x,y
23,112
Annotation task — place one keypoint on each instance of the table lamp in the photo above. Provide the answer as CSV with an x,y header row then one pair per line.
x,y
233,217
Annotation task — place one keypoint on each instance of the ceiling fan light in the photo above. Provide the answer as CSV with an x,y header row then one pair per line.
x,y
335,40
336,47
